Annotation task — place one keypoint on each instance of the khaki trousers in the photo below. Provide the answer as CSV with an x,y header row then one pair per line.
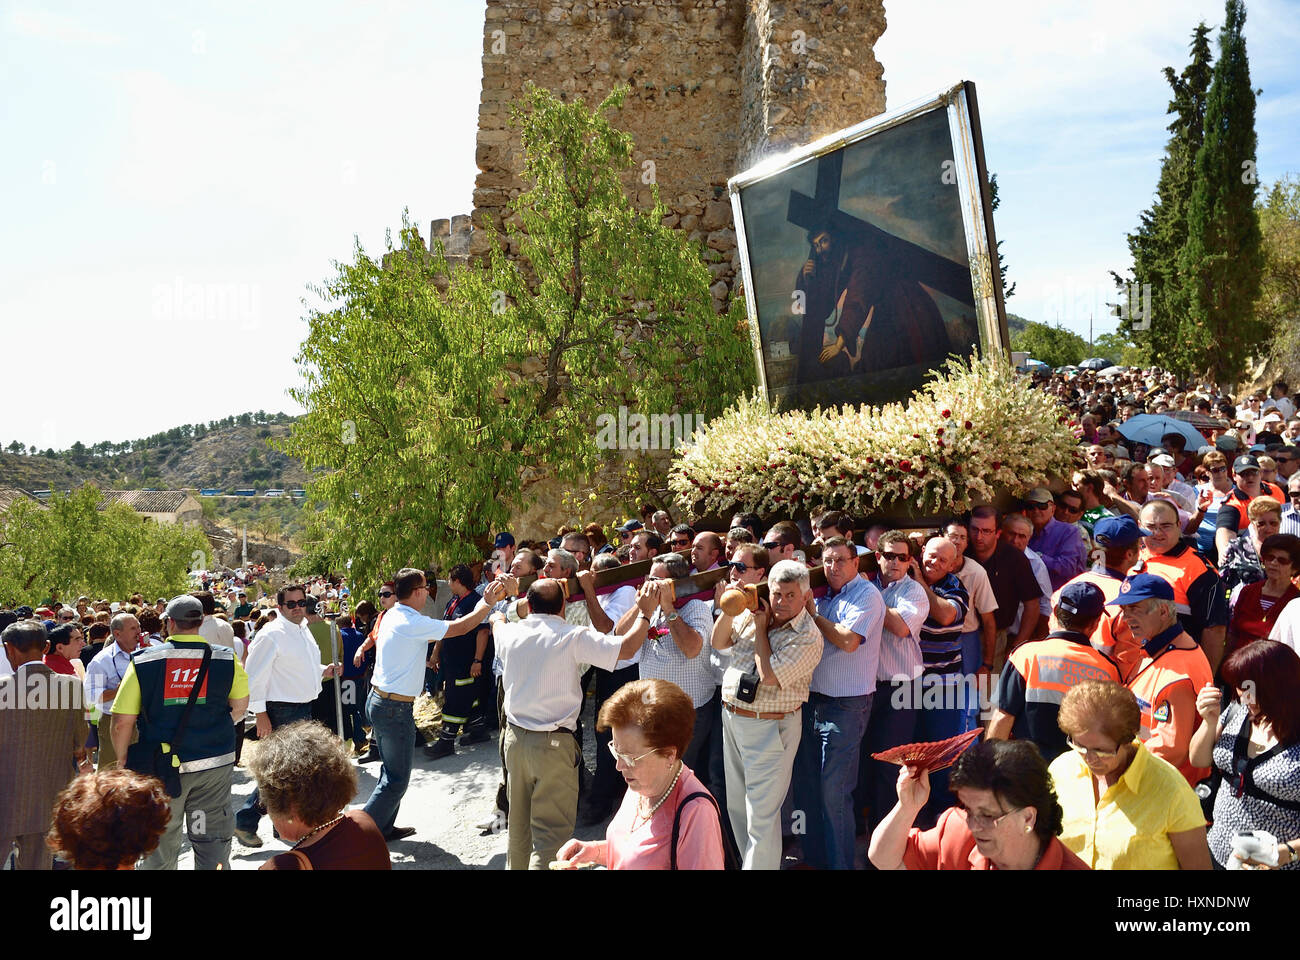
x,y
542,774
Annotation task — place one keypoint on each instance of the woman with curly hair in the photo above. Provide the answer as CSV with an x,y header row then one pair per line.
x,y
109,820
306,780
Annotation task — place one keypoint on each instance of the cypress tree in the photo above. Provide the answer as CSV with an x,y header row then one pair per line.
x,y
1162,230
1222,260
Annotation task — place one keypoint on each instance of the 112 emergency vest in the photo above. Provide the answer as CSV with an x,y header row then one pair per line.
x,y
166,673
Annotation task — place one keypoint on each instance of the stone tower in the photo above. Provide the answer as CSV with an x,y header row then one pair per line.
x,y
714,86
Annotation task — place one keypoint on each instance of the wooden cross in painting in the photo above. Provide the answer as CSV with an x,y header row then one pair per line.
x,y
937,272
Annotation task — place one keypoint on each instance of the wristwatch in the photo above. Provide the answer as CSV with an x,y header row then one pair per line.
x,y
477,661
673,616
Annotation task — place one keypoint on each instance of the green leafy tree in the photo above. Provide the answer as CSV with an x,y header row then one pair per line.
x,y
435,397
1279,299
994,202
1162,229
73,547
1119,350
1055,346
1222,261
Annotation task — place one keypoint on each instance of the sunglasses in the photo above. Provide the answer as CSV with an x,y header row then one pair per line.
x,y
684,542
890,555
739,566
291,604
385,593
772,545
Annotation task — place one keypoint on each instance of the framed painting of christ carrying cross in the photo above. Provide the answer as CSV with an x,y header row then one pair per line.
x,y
868,256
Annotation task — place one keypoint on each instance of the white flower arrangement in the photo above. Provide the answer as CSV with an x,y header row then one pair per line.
x,y
975,429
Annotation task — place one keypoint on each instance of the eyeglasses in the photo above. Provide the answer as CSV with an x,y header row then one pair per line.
x,y
1069,509
772,544
385,593
739,566
1157,527
890,555
981,821
1099,754
1038,506
1218,470
683,542
291,604
629,761
66,618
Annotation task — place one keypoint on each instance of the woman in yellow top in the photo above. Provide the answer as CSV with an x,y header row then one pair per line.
x,y
1125,808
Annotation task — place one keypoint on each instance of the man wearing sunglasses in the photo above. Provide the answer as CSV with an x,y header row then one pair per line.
x,y
1059,544
1232,517
284,679
680,538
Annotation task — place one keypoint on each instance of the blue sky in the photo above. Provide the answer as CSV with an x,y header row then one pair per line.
x,y
175,175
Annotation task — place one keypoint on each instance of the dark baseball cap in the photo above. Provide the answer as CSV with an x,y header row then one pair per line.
x,y
1142,586
1118,531
24,612
503,540
1038,495
630,526
183,608
1245,462
1082,599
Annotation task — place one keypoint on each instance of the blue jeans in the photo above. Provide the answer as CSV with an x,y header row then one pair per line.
x,y
972,658
280,714
392,724
942,714
825,773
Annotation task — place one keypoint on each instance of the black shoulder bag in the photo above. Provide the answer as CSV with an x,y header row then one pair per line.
x,y
730,855
157,763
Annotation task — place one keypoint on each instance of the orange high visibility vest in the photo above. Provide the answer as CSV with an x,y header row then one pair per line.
x,y
1053,665
1151,684
1112,636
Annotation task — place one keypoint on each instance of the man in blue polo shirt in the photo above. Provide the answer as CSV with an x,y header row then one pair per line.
x,y
850,617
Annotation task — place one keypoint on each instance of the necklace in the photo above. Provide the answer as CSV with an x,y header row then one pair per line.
x,y
324,826
660,802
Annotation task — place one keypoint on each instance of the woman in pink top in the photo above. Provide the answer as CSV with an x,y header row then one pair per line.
x,y
652,722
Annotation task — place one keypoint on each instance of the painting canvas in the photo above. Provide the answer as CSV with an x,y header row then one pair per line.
x,y
867,257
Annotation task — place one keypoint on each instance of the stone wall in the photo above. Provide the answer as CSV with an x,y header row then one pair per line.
x,y
714,86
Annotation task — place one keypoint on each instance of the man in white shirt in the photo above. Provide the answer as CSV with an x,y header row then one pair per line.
x,y
543,696
284,679
215,630
402,653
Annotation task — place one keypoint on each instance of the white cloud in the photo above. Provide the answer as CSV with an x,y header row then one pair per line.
x,y
60,28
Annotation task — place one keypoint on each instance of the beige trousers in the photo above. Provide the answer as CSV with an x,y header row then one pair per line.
x,y
542,774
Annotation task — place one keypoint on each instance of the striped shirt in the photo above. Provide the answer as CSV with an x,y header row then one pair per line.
x,y
940,645
662,659
900,656
796,649
858,606
1290,522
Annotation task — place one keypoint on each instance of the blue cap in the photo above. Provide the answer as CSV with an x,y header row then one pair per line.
x,y
1142,586
503,540
1118,531
1082,599
630,526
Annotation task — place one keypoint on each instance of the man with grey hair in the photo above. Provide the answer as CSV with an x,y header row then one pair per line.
x,y
774,653
662,523
563,565
104,675
674,648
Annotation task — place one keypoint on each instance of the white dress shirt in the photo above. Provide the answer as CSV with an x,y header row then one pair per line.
x,y
540,656
402,649
615,605
283,666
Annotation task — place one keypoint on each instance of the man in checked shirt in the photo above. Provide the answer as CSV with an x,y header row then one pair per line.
x,y
781,644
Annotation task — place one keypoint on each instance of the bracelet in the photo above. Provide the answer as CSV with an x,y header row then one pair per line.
x,y
1287,844
476,661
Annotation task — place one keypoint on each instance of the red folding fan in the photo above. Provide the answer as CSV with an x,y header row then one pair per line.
x,y
936,755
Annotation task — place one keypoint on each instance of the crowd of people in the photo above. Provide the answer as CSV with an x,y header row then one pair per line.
x,y
1126,645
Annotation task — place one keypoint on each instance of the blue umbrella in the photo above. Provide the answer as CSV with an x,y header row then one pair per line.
x,y
1148,428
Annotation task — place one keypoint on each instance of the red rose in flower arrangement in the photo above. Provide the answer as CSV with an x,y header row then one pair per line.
x,y
945,414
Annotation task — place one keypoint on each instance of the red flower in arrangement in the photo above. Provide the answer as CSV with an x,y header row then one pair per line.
x,y
916,436
938,432
940,442
905,464
945,414
997,464
968,424
877,484
956,468
867,460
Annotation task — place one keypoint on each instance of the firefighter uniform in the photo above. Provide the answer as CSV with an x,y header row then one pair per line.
x,y
1036,678
460,688
155,689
